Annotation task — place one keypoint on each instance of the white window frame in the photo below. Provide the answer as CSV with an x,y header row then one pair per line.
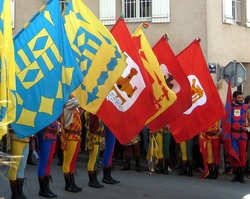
x,y
160,12
107,10
12,12
229,16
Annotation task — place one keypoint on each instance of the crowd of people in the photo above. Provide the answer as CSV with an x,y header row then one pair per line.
x,y
77,130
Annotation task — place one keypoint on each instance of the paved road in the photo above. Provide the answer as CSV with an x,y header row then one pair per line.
x,y
133,185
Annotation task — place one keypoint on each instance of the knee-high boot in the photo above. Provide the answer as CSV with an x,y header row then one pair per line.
x,y
14,190
48,179
215,173
159,166
166,164
190,168
107,176
241,174
236,174
72,178
93,182
211,171
68,184
137,164
126,163
20,187
43,188
183,169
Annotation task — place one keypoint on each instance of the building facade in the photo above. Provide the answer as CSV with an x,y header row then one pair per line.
x,y
222,25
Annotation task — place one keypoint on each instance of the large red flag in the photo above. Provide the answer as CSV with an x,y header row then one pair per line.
x,y
164,96
207,107
131,101
226,127
176,80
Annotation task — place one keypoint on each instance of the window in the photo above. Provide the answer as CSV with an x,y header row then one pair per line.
x,y
248,13
232,11
156,11
12,12
108,11
135,9
236,10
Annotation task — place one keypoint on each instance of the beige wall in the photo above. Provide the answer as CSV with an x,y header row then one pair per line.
x,y
24,10
221,43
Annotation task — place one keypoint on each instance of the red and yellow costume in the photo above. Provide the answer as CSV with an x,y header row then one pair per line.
x,y
94,139
71,139
209,141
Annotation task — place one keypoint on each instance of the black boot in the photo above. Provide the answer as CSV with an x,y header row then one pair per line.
x,y
166,164
72,177
43,188
236,175
211,171
93,182
183,169
159,166
49,179
137,164
190,168
14,190
109,170
215,173
20,187
241,174
30,160
126,163
68,184
106,176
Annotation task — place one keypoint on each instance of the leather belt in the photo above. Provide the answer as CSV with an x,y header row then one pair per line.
x,y
73,132
237,130
50,131
211,133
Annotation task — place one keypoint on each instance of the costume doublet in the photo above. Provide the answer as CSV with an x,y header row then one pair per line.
x,y
238,119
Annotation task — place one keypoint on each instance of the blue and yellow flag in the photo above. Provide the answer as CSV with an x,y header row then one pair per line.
x,y
7,69
99,55
46,71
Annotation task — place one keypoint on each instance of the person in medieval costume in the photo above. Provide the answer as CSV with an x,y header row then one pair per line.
x,y
209,141
47,143
94,139
240,115
19,151
71,141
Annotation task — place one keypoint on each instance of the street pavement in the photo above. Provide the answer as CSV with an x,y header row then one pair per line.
x,y
133,184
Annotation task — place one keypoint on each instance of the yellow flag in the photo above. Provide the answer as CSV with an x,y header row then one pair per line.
x,y
97,52
164,96
7,69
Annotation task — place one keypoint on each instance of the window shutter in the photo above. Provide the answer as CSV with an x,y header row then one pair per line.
x,y
160,11
248,13
227,11
12,12
108,12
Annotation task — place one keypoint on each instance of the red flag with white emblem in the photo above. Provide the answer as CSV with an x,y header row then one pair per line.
x,y
207,107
